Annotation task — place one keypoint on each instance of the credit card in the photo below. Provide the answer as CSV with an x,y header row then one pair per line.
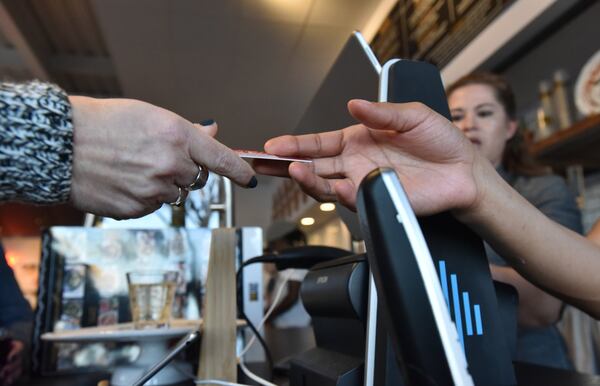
x,y
255,154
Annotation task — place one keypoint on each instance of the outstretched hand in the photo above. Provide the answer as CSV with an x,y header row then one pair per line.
x,y
433,158
130,157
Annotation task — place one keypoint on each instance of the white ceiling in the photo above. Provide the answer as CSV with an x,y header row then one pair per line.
x,y
252,65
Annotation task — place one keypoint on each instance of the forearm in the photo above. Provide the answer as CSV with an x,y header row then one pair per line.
x,y
545,253
594,234
537,308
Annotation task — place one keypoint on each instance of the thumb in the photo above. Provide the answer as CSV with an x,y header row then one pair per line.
x,y
399,117
208,127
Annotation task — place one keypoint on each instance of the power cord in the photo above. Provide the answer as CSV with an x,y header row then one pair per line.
x,y
278,296
242,314
260,339
225,383
295,257
253,376
256,336
276,300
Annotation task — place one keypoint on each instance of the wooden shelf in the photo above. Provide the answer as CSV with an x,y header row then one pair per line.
x,y
577,145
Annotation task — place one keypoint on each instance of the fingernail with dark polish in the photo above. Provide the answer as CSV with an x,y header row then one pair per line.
x,y
207,122
253,182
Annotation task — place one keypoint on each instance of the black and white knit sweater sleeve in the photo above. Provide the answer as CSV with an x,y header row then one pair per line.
x,y
36,143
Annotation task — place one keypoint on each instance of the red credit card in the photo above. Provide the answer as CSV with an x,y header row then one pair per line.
x,y
262,155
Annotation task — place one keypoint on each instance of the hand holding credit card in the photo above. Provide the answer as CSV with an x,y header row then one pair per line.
x,y
270,164
256,154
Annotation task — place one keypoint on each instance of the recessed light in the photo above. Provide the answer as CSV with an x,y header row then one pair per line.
x,y
306,221
327,206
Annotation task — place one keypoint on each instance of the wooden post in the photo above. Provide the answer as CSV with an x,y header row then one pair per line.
x,y
218,358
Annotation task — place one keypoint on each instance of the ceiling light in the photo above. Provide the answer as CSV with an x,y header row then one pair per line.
x,y
306,221
327,206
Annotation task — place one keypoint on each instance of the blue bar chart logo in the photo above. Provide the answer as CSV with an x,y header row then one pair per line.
x,y
458,306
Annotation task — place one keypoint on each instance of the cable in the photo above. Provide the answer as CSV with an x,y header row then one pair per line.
x,y
253,376
294,257
278,295
243,367
261,340
256,332
257,335
270,258
259,259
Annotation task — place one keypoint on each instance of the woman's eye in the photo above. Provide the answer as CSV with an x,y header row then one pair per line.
x,y
456,117
485,113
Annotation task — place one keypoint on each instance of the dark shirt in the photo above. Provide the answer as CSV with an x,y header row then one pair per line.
x,y
14,309
550,194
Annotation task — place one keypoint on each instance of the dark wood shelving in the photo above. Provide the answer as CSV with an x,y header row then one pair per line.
x,y
577,145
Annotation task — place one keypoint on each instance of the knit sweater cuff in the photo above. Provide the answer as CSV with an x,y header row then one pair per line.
x,y
36,143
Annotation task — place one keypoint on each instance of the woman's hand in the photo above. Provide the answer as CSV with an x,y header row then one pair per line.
x,y
433,159
440,170
130,157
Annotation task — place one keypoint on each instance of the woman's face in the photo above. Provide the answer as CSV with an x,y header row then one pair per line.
x,y
478,113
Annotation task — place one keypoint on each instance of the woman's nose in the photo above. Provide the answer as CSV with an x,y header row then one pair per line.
x,y
467,123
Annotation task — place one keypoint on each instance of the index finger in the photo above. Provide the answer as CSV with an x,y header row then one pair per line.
x,y
220,159
318,145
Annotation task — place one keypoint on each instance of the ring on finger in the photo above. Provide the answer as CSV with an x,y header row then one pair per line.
x,y
200,180
183,193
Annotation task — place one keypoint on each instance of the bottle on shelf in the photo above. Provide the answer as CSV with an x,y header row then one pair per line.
x,y
546,122
561,100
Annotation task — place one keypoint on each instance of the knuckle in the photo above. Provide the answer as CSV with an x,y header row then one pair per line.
x,y
172,131
338,165
150,192
417,106
224,164
167,165
318,143
423,111
418,114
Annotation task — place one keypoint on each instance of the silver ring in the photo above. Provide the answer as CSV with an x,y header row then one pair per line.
x,y
201,179
183,193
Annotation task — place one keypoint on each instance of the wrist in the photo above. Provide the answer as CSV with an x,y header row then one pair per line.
x,y
85,139
486,181
80,106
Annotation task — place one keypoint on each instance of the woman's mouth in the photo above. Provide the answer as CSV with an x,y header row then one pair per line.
x,y
475,141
